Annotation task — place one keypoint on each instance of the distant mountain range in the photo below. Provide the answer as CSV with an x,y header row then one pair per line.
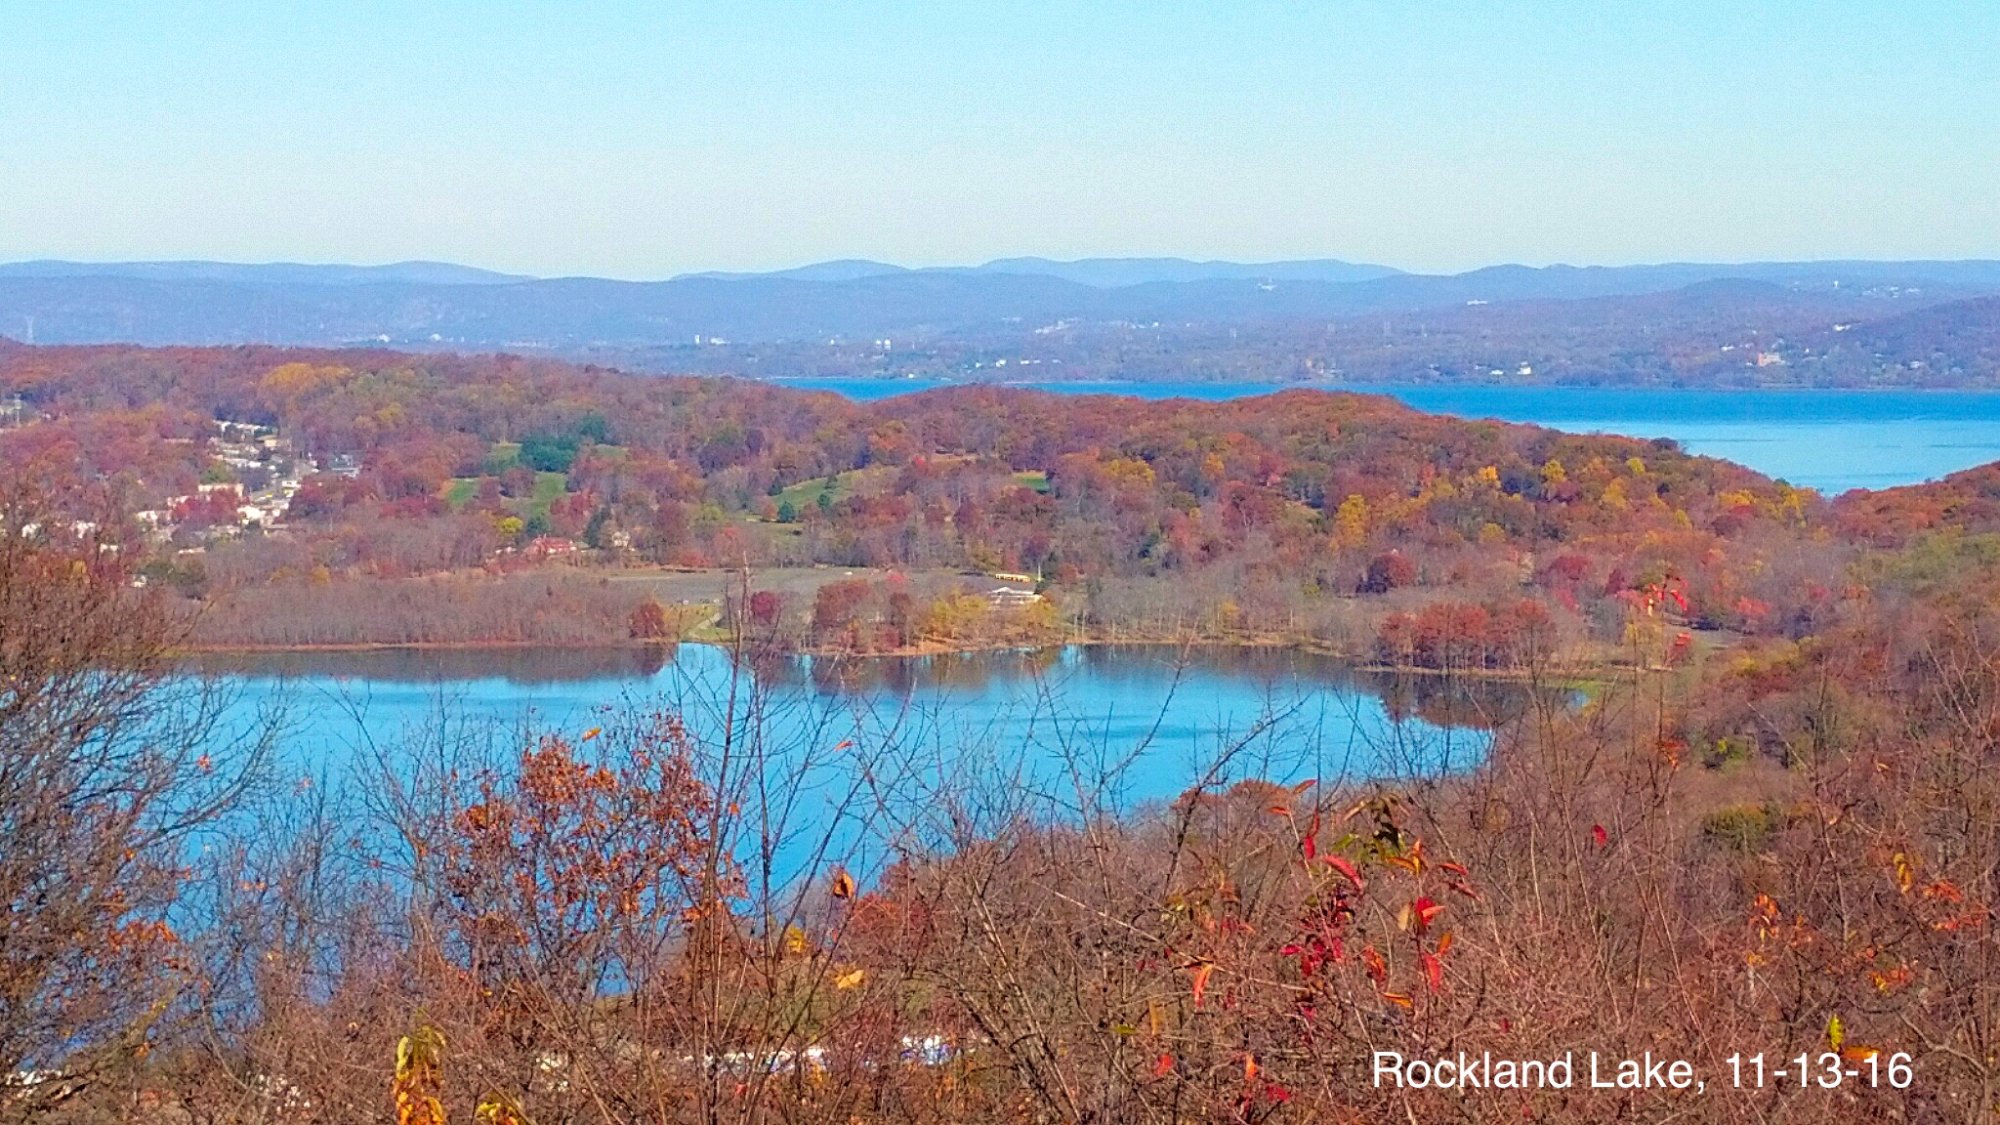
x,y
438,305
270,273
1103,273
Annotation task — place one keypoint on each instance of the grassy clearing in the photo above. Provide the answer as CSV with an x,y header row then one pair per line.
x,y
502,456
549,487
806,493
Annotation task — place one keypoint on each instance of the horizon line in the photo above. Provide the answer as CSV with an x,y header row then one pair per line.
x,y
714,272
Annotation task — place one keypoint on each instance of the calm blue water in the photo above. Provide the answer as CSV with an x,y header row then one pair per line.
x,y
1828,440
876,750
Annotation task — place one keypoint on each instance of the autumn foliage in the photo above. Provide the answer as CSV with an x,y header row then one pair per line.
x,y
1748,802
1305,516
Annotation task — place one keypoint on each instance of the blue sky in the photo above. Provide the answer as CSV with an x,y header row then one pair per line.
x,y
646,139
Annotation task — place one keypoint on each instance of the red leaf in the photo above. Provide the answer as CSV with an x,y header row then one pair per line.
x,y
1423,910
1598,834
1202,971
1163,1066
1433,971
1345,868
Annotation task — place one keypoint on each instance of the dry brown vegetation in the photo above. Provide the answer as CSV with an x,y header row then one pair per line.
x,y
1778,848
1761,820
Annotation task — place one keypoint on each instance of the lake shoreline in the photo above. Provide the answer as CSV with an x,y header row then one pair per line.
x,y
1565,671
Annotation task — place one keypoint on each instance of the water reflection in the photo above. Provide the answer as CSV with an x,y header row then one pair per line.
x,y
1076,674
881,755
523,666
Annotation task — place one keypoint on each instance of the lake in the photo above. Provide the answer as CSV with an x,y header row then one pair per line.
x,y
1070,731
1830,440
1050,733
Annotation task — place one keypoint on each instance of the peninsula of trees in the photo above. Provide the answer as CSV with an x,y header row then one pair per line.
x,y
301,498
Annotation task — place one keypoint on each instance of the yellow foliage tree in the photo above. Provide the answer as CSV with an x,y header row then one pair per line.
x,y
953,617
1614,496
1213,469
419,1077
1350,522
287,384
1129,471
420,1080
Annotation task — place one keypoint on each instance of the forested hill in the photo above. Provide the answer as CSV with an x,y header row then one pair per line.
x,y
1835,323
246,476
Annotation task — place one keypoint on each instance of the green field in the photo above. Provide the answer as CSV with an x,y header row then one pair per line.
x,y
502,456
806,493
549,487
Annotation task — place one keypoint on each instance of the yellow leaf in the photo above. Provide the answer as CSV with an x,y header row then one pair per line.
x,y
496,1108
849,980
1835,1034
